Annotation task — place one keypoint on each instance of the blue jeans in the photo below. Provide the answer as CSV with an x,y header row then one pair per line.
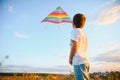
x,y
81,72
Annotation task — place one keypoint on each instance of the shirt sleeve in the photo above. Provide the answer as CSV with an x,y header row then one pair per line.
x,y
75,35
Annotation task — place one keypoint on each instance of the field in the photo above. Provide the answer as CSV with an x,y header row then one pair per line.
x,y
113,75
34,76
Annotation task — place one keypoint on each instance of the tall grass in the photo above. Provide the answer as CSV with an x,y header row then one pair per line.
x,y
36,76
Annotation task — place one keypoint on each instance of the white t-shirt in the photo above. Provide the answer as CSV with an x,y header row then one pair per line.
x,y
80,56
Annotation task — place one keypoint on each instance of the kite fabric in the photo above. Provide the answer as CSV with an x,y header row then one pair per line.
x,y
58,16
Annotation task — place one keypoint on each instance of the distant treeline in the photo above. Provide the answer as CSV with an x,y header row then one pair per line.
x,y
21,74
113,75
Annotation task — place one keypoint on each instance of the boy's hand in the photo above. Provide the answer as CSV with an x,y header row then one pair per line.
x,y
70,61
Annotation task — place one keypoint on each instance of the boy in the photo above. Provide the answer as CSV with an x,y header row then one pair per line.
x,y
78,55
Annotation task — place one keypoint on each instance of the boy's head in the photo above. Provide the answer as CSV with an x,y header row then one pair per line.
x,y
79,20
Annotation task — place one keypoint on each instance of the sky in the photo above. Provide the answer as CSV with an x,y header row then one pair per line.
x,y
28,42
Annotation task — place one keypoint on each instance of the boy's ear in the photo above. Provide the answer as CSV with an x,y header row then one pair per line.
x,y
73,24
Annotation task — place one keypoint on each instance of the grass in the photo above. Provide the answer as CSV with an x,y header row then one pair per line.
x,y
35,76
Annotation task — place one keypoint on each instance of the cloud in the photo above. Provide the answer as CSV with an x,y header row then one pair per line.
x,y
63,69
61,55
111,56
107,16
104,66
112,46
109,61
15,68
19,35
109,2
10,8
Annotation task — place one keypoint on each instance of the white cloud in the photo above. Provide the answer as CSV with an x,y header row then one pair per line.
x,y
108,16
111,56
109,61
113,46
108,2
15,68
10,8
64,69
104,66
62,55
19,35
110,47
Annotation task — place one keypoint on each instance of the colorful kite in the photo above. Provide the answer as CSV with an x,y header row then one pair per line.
x,y
58,16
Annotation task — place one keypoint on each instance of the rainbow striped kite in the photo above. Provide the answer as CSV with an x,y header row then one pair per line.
x,y
58,16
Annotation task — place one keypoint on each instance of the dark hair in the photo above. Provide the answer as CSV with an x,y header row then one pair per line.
x,y
79,20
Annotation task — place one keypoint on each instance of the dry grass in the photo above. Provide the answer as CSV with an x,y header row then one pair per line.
x,y
36,76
